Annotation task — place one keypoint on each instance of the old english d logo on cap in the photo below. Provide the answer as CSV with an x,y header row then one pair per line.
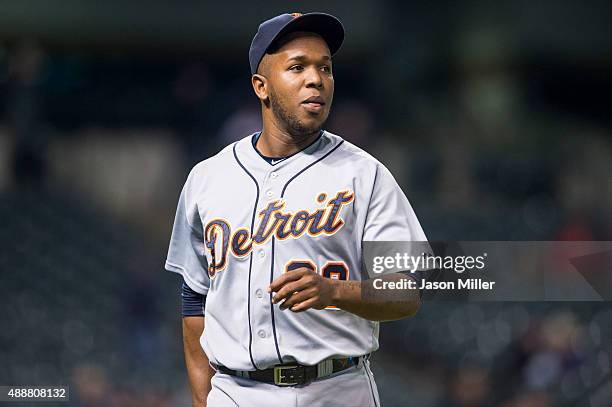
x,y
326,25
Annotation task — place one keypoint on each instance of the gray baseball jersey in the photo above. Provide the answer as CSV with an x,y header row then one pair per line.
x,y
241,222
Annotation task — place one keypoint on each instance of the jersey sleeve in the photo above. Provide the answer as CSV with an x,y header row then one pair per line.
x,y
390,216
391,225
186,254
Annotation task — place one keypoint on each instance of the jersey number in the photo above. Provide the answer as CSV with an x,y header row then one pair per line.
x,y
336,270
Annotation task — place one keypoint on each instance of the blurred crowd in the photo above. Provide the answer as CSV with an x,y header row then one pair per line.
x,y
94,150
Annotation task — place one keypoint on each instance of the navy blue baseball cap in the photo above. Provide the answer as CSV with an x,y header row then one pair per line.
x,y
326,25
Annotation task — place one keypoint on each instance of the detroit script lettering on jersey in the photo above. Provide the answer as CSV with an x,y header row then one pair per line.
x,y
273,222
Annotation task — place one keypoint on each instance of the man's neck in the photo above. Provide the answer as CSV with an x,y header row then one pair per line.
x,y
276,143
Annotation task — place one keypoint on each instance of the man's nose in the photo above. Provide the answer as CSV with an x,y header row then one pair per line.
x,y
313,78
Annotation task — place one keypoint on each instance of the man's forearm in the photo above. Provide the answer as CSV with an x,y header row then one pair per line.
x,y
198,368
377,305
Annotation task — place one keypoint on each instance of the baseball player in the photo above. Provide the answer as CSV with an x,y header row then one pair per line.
x,y
268,239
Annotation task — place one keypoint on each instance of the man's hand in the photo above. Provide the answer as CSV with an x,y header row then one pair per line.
x,y
302,289
198,368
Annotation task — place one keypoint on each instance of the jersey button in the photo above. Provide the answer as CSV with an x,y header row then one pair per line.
x,y
261,334
259,293
273,175
262,254
269,194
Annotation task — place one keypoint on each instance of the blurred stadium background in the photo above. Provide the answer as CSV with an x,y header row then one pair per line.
x,y
495,117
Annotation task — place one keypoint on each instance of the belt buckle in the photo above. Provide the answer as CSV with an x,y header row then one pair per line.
x,y
280,379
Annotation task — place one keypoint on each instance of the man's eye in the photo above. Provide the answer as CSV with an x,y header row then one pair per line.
x,y
296,68
326,68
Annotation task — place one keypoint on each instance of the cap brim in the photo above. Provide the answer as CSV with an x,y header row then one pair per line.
x,y
326,25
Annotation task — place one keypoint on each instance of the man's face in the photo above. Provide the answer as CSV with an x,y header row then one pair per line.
x,y
300,83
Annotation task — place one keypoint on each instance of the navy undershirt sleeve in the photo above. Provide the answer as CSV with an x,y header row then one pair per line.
x,y
192,302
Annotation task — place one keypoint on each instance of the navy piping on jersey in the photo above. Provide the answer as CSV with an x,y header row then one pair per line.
x,y
280,359
270,160
273,240
250,259
308,166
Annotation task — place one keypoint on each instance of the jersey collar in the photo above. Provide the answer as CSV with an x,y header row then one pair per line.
x,y
277,160
253,161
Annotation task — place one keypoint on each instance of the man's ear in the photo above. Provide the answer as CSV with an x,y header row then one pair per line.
x,y
260,86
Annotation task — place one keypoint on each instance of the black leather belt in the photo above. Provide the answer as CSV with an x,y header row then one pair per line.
x,y
293,374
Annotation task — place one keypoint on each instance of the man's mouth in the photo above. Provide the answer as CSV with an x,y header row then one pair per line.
x,y
314,104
